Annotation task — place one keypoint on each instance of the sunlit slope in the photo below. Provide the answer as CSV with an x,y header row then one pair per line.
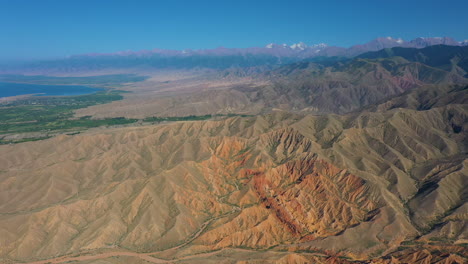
x,y
357,184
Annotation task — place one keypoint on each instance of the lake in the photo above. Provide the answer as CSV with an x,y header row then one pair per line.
x,y
14,89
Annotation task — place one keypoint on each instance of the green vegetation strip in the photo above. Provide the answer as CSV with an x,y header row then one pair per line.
x,y
41,114
51,115
187,118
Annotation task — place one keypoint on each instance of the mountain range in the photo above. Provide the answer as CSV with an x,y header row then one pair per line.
x,y
220,58
300,49
314,87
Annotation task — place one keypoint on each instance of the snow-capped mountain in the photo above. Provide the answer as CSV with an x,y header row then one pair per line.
x,y
223,58
320,45
296,46
276,46
299,50
299,46
425,42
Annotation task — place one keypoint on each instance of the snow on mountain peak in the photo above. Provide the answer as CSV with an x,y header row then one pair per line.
x,y
320,45
398,40
300,46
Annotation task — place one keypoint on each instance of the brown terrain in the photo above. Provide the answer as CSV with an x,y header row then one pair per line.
x,y
301,87
360,162
349,187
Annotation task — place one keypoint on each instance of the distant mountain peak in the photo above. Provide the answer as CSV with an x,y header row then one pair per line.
x,y
423,42
276,46
299,46
271,53
389,40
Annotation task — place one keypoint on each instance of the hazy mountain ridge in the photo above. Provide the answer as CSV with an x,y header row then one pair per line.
x,y
296,50
449,58
219,58
337,86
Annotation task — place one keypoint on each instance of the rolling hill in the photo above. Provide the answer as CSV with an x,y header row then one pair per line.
x,y
357,186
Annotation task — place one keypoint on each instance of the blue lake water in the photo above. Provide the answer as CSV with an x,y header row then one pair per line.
x,y
13,89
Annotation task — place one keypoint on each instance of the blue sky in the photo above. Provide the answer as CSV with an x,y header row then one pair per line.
x,y
55,28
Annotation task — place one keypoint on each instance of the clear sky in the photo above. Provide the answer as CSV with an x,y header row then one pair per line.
x,y
56,28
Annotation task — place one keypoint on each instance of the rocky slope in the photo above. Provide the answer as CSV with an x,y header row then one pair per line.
x,y
386,186
448,58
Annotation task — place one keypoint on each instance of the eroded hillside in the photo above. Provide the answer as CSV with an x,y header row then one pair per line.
x,y
384,186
